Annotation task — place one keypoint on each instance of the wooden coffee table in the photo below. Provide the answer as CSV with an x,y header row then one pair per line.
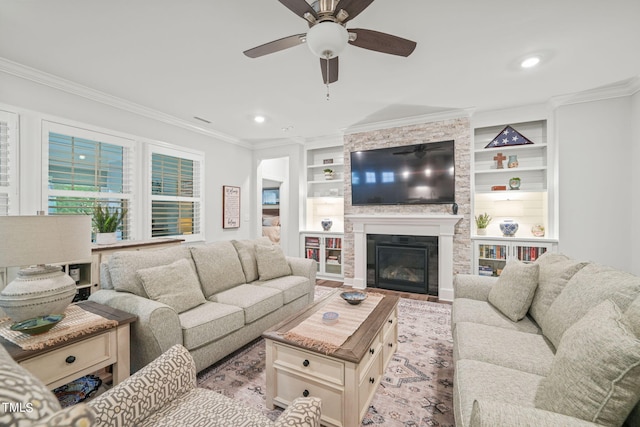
x,y
347,379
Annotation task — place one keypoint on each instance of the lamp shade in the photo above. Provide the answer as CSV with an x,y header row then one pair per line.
x,y
44,239
327,39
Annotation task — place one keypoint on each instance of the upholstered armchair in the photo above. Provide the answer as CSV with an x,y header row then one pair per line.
x,y
163,393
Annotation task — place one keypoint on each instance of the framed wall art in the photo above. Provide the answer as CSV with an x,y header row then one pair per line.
x,y
230,206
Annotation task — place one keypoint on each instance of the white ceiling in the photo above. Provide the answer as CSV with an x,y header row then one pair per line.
x,y
184,57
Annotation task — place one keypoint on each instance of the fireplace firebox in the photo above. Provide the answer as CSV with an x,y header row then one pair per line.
x,y
403,263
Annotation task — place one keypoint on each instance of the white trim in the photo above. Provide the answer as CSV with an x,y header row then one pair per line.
x,y
616,90
442,226
409,121
55,82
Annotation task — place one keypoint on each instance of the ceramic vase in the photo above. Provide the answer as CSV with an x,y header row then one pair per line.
x,y
106,238
514,183
482,231
326,224
513,161
508,227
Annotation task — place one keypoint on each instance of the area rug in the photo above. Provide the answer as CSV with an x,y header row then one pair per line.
x,y
416,389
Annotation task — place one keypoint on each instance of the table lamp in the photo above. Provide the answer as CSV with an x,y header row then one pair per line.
x,y
36,241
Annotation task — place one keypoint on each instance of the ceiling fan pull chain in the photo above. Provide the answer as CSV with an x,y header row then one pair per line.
x,y
327,81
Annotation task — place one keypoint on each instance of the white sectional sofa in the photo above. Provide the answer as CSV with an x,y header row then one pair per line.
x,y
211,298
552,343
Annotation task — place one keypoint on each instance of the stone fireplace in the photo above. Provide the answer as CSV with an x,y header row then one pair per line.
x,y
440,226
453,232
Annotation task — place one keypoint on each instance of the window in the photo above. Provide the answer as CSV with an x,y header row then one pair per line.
x,y
176,204
85,168
8,163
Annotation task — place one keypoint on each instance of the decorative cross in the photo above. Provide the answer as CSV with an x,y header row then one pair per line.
x,y
500,158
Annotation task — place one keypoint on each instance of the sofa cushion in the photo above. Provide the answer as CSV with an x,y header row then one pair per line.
x,y
633,316
256,301
209,322
247,253
513,291
470,310
587,288
511,349
292,287
555,271
271,262
78,415
218,267
596,373
175,285
20,388
474,380
124,265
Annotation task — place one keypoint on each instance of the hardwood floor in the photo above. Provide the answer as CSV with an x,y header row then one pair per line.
x,y
408,295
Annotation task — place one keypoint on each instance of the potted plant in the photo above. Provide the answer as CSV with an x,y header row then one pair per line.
x,y
482,221
328,173
106,221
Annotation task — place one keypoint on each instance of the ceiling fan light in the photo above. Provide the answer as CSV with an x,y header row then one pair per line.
x,y
327,39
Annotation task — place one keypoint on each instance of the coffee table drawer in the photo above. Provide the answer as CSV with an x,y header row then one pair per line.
x,y
369,384
309,364
74,358
390,324
290,386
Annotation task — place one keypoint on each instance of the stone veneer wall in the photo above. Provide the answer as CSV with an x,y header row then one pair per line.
x,y
457,129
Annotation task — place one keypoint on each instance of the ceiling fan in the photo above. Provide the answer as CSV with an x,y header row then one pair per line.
x,y
327,35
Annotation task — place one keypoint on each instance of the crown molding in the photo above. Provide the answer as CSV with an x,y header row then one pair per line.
x,y
58,83
409,121
262,144
616,90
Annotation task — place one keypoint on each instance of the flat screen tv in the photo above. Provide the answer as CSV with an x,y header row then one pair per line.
x,y
411,174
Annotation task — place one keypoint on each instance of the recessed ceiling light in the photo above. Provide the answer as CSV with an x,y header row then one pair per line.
x,y
259,119
530,62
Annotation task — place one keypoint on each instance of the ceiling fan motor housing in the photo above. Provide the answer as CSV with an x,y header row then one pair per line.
x,y
327,39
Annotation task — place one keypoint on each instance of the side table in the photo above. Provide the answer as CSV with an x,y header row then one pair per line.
x,y
64,362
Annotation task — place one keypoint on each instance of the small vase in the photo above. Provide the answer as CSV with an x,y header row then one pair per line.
x,y
513,161
326,224
328,175
537,230
508,227
514,183
482,231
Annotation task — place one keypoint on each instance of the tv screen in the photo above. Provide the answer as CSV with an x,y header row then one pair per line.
x,y
411,174
271,196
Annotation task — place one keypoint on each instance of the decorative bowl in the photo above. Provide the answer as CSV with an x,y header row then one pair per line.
x,y
508,227
330,317
37,325
353,297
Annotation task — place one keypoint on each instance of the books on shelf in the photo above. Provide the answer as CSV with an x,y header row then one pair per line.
x,y
333,243
312,242
529,253
493,252
485,270
312,253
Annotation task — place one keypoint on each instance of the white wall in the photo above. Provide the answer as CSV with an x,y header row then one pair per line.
x,y
596,192
225,163
634,187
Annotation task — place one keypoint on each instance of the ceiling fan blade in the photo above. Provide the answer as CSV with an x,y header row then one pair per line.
x,y
382,42
299,7
333,70
275,46
352,7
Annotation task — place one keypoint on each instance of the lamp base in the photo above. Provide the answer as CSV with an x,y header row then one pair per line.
x,y
37,291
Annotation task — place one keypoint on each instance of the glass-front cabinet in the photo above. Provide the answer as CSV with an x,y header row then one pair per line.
x,y
491,255
326,249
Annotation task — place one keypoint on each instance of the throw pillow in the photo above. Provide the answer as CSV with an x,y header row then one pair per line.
x,y
218,267
175,285
513,291
587,288
555,271
595,374
247,253
271,262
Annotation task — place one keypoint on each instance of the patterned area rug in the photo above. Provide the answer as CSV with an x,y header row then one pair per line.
x,y
417,387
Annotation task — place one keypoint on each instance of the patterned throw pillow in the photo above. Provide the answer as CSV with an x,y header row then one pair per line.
x,y
595,374
271,262
175,284
514,290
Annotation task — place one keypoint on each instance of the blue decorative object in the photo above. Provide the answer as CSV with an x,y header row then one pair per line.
x,y
353,297
326,224
508,227
330,317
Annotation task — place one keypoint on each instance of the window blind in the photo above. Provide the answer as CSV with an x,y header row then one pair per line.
x,y
8,163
